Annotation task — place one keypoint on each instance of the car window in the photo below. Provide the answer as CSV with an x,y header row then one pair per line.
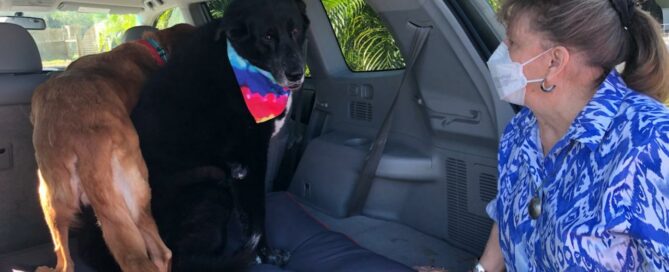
x,y
216,8
70,35
364,40
169,18
494,4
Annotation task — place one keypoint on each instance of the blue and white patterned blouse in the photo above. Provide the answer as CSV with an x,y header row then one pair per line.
x,y
606,194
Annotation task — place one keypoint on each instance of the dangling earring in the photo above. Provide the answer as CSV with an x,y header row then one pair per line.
x,y
547,90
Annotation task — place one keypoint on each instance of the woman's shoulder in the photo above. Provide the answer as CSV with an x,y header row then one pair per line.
x,y
639,133
639,181
643,115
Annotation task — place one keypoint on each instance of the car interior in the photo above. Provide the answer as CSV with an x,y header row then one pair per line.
x,y
424,206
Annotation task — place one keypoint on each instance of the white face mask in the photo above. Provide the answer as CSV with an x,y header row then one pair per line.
x,y
508,76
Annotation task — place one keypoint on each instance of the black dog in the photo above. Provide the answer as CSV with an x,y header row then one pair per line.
x,y
196,132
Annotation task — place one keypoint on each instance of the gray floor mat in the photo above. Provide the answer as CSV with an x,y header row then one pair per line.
x,y
398,242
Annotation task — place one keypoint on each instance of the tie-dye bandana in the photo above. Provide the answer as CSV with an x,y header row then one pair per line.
x,y
264,98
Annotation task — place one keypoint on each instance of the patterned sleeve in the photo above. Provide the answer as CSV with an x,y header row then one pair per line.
x,y
645,180
506,141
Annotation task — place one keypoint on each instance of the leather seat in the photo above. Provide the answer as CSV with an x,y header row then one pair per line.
x,y
20,73
20,65
313,247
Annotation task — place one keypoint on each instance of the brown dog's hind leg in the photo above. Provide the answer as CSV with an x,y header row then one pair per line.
x,y
58,215
158,251
106,196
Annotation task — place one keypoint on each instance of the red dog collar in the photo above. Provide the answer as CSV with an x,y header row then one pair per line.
x,y
157,52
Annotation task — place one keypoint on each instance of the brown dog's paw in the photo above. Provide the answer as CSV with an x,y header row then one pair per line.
x,y
44,269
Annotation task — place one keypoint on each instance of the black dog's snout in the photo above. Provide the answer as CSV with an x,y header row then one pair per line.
x,y
294,75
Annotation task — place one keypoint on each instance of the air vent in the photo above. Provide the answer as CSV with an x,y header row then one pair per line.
x,y
465,229
361,111
488,187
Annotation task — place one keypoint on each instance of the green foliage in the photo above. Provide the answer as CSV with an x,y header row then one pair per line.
x,y
60,19
70,35
169,18
364,40
495,4
217,7
113,28
163,19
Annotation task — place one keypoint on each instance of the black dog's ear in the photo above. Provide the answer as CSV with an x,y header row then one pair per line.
x,y
302,6
234,29
303,10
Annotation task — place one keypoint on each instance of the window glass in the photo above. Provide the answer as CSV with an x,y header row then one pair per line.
x,y
70,35
365,42
216,8
495,4
169,18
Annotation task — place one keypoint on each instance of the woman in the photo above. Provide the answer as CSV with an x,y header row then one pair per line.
x,y
584,166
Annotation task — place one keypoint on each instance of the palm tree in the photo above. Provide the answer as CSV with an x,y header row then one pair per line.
x,y
364,40
216,7
494,4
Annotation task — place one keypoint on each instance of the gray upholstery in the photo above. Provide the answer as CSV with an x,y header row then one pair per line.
x,y
313,247
136,32
20,72
18,51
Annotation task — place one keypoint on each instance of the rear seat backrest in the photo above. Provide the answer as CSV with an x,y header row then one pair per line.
x,y
21,221
18,51
136,32
20,65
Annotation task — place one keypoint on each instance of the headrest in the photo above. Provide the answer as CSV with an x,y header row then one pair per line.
x,y
18,51
136,32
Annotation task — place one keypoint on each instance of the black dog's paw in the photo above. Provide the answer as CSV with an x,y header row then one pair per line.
x,y
274,256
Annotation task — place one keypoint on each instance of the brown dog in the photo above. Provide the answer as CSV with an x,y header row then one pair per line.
x,y
88,152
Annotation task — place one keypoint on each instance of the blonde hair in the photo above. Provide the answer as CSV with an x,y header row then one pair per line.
x,y
597,29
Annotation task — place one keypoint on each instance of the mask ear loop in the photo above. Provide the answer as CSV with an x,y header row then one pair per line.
x,y
536,57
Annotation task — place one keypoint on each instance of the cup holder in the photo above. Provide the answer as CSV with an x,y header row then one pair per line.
x,y
355,142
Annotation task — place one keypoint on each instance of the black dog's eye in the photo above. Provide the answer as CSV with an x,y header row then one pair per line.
x,y
269,37
295,32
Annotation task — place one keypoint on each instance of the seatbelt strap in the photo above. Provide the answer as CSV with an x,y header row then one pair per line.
x,y
371,163
286,171
298,104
